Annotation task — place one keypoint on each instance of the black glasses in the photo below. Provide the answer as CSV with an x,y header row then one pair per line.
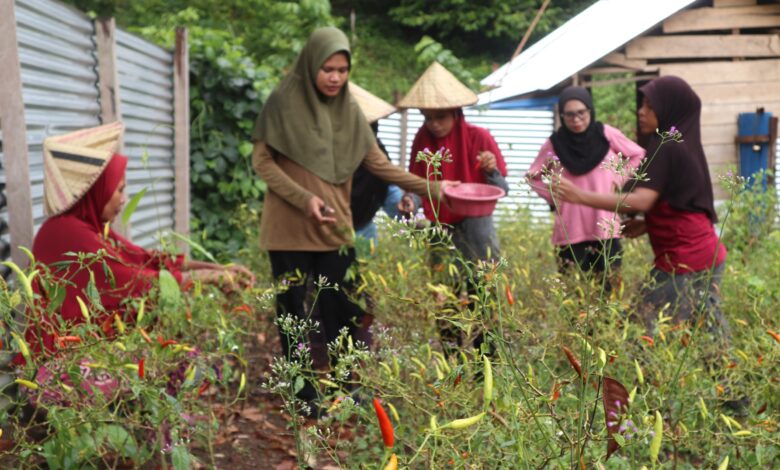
x,y
579,114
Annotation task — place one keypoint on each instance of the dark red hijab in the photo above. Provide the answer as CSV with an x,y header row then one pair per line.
x,y
81,230
465,141
679,170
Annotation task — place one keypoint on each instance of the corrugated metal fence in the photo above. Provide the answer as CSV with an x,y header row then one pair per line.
x,y
519,134
146,94
60,85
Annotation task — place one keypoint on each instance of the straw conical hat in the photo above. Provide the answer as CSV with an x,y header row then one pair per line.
x,y
437,88
374,107
72,163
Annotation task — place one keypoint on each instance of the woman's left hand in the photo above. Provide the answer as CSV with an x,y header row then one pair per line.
x,y
487,161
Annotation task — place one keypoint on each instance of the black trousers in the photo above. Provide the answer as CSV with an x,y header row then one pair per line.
x,y
335,307
592,256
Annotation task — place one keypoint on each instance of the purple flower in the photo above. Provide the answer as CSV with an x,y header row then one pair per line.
x,y
673,130
612,414
301,346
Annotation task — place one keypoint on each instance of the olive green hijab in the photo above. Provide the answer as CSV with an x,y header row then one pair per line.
x,y
327,136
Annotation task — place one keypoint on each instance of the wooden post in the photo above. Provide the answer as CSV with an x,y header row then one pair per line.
x,y
404,124
772,164
108,74
12,122
108,81
181,105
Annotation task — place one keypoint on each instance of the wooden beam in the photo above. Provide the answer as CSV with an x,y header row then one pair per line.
x,y
732,3
704,46
618,58
108,85
13,125
723,113
617,81
697,73
181,104
746,93
108,74
605,70
708,19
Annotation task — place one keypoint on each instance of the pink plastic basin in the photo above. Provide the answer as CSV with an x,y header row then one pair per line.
x,y
473,199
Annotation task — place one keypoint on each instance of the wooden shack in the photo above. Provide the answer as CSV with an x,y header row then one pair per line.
x,y
728,50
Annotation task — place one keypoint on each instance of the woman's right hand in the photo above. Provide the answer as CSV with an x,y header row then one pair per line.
x,y
319,211
633,228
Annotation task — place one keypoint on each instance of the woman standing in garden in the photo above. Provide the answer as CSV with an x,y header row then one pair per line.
x,y
309,139
594,157
676,197
475,158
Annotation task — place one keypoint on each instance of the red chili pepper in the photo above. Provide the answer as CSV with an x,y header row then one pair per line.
x,y
457,381
203,387
650,341
141,372
760,359
762,409
384,424
774,335
164,343
478,166
573,361
509,298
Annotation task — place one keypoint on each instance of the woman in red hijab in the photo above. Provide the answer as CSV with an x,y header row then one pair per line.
x,y
475,158
84,192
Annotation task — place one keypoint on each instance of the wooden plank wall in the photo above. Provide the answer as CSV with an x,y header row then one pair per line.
x,y
730,54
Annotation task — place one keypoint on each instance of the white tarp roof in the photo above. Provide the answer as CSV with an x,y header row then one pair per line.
x,y
589,36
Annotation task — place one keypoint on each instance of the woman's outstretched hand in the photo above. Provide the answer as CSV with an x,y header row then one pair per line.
x,y
321,213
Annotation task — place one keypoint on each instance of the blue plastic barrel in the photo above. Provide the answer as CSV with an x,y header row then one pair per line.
x,y
754,156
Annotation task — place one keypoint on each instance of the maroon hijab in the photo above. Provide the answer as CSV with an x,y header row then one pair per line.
x,y
678,171
126,271
464,141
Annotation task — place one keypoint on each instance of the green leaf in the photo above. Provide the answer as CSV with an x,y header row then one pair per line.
x,y
130,207
180,457
118,439
170,293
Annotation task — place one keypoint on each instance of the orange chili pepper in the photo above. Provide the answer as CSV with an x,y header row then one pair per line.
x,y
384,424
457,381
145,335
774,335
509,298
141,371
243,308
188,314
556,393
650,341
573,361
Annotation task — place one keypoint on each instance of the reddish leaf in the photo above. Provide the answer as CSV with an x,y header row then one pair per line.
x,y
615,406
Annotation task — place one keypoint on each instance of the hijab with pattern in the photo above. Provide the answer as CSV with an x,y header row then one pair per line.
x,y
328,136
580,152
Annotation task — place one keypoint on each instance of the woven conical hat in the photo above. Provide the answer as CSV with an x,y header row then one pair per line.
x,y
374,107
437,88
72,163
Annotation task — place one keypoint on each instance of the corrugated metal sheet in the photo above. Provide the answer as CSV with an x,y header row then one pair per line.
x,y
146,94
589,36
59,79
519,134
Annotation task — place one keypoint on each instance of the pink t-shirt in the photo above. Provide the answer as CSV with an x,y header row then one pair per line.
x,y
575,223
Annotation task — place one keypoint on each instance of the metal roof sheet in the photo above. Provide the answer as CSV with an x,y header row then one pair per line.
x,y
600,29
